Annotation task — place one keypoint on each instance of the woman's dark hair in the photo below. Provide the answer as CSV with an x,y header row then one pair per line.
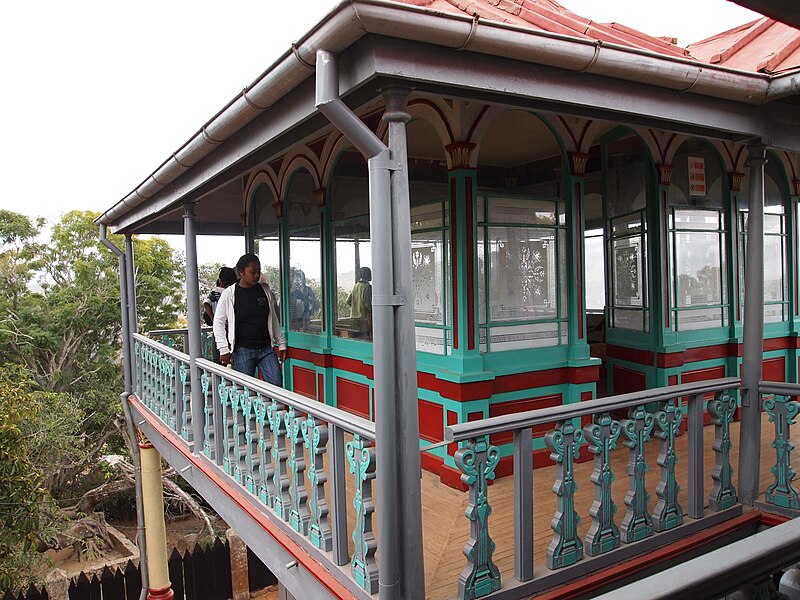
x,y
245,260
227,276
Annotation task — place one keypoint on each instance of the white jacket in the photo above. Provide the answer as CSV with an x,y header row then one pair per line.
x,y
225,316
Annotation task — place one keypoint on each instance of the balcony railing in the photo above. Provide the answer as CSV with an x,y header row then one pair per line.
x,y
651,414
271,443
179,339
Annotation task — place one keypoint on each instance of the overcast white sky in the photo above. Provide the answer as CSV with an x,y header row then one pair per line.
x,y
97,93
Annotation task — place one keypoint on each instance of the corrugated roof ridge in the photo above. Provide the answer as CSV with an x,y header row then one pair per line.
x,y
647,41
756,29
774,59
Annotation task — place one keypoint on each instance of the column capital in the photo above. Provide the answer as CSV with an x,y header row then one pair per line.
x,y
278,208
577,163
459,155
396,99
756,154
321,195
665,174
796,183
188,210
735,181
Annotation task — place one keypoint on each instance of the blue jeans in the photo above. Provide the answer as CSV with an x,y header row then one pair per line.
x,y
246,360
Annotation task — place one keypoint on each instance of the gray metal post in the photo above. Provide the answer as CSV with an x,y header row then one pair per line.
x,y
405,353
131,273
696,457
752,352
127,355
193,318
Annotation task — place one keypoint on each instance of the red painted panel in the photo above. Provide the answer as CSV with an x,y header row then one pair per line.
x,y
586,419
672,380
774,369
627,380
305,381
452,419
321,388
517,406
703,374
634,355
431,421
474,416
352,397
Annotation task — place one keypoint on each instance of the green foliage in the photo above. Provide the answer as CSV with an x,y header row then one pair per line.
x,y
20,480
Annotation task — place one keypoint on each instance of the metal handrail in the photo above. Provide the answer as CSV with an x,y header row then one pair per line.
x,y
334,416
780,388
541,416
171,352
183,330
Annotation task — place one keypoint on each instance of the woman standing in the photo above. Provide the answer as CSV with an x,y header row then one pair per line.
x,y
248,311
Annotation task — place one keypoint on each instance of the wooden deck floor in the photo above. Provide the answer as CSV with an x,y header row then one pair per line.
x,y
446,529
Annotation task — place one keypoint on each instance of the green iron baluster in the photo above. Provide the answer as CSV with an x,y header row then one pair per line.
x,y
157,384
477,460
148,377
280,478
566,547
315,435
637,524
168,341
603,534
266,487
723,494
210,415
362,464
668,513
240,435
137,353
252,458
186,410
298,515
782,410
227,399
168,365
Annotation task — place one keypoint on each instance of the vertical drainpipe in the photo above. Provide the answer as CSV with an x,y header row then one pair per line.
x,y
401,572
125,295
412,568
130,275
753,345
193,319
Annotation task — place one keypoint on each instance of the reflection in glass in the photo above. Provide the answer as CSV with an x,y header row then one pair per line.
x,y
305,255
427,267
697,266
353,261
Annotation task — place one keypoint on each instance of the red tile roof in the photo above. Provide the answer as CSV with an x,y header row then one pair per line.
x,y
764,45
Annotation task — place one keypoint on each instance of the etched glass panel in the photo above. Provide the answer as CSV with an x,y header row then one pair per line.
x,y
697,219
430,339
523,282
427,267
594,270
517,337
700,318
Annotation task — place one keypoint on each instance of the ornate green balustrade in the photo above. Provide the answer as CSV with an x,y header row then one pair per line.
x,y
272,443
178,339
653,417
782,408
283,449
161,382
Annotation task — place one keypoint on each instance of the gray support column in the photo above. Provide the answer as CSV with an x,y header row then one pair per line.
x,y
193,319
752,353
131,274
409,496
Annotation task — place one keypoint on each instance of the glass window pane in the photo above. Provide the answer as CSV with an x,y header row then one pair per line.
x,y
594,270
627,225
427,267
773,268
353,276
268,252
481,275
627,264
697,219
625,180
698,266
528,212
349,187
426,216
522,273
305,278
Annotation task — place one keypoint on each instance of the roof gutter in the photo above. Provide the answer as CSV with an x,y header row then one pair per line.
x,y
352,19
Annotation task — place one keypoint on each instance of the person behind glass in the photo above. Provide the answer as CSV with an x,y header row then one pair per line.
x,y
303,304
248,311
226,278
360,302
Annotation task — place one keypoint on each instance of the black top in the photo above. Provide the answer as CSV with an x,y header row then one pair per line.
x,y
251,308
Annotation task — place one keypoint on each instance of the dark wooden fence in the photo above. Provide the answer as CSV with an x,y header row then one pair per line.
x,y
200,573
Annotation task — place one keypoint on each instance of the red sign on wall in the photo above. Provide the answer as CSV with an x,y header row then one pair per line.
x,y
697,176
